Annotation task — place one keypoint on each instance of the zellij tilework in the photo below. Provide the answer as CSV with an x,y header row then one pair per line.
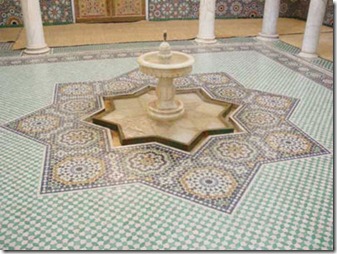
x,y
80,155
65,186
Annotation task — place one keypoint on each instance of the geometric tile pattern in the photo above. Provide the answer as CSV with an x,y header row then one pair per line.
x,y
52,12
142,219
127,7
10,13
287,206
80,155
323,63
56,12
305,68
173,9
92,8
128,117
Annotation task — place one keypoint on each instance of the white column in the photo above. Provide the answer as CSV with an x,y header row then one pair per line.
x,y
147,10
33,26
206,22
73,10
270,17
313,26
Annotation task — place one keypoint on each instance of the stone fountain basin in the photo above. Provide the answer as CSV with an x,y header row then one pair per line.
x,y
180,64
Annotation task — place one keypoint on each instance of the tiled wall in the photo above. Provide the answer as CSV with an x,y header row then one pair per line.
x,y
60,11
53,12
189,9
303,7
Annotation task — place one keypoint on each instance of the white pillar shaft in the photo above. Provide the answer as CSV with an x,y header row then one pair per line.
x,y
206,22
313,26
270,17
33,25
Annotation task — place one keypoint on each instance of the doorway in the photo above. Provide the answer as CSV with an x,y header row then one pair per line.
x,y
96,11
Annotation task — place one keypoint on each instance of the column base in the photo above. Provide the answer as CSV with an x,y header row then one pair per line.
x,y
36,51
307,55
268,37
205,41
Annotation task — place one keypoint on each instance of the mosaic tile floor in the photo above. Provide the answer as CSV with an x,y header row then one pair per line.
x,y
64,186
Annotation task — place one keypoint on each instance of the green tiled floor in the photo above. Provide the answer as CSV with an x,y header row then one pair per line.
x,y
6,50
288,205
294,50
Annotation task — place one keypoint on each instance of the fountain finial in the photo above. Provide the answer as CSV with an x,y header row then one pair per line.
x,y
165,35
165,49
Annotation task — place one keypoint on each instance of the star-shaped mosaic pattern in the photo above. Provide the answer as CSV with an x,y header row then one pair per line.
x,y
80,155
203,116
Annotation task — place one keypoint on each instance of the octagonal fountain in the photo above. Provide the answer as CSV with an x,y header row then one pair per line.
x,y
166,65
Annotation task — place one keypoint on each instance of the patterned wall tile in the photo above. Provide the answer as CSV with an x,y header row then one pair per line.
x,y
60,11
10,13
53,12
56,11
329,15
90,8
172,9
302,7
129,7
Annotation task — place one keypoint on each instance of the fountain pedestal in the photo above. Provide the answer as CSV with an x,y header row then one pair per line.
x,y
166,66
166,107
